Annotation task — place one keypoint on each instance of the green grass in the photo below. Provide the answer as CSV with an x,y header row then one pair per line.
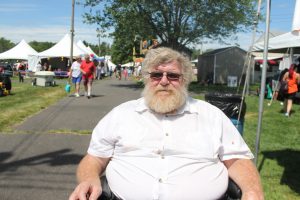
x,y
279,157
26,100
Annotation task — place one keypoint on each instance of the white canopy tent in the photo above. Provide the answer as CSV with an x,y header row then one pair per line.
x,y
20,51
92,52
111,65
281,43
285,41
62,49
81,45
130,64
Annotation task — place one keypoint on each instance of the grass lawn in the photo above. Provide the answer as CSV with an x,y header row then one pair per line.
x,y
25,101
279,157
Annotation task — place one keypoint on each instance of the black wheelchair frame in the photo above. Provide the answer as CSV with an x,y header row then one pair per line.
x,y
233,191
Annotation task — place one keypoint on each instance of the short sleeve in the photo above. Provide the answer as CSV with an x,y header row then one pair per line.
x,y
102,142
232,143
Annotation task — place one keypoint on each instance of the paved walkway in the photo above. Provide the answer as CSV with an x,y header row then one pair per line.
x,y
38,164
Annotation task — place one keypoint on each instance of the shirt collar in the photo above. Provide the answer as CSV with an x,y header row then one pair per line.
x,y
188,107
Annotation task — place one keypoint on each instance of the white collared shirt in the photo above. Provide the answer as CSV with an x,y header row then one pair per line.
x,y
165,157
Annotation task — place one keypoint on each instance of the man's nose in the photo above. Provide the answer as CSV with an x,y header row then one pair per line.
x,y
164,80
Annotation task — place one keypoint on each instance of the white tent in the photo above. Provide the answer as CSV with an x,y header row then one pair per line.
x,y
92,52
111,65
81,45
20,51
285,41
130,64
281,43
62,49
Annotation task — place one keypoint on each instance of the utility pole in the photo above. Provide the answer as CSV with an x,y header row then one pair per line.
x,y
72,32
99,35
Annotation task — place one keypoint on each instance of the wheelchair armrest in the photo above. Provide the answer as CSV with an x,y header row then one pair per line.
x,y
107,194
233,191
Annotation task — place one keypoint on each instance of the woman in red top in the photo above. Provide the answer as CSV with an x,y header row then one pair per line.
x,y
88,70
293,79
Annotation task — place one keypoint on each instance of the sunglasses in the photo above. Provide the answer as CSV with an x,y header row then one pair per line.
x,y
170,76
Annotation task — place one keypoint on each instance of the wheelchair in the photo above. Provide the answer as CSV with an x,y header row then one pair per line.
x,y
233,191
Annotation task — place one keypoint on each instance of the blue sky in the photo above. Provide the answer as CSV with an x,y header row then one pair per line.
x,y
50,20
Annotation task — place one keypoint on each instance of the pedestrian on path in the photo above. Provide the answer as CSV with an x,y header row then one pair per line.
x,y
75,74
88,70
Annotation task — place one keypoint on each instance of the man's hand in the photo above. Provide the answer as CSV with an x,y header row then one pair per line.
x,y
87,190
89,169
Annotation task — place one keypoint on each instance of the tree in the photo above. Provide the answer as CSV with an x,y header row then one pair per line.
x,y
41,46
104,48
176,23
5,44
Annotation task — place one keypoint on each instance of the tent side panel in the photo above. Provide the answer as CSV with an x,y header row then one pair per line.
x,y
229,63
205,68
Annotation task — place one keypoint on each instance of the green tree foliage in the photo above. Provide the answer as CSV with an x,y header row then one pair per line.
x,y
41,46
195,53
176,23
105,48
5,44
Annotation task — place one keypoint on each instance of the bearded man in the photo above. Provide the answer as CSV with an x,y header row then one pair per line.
x,y
166,145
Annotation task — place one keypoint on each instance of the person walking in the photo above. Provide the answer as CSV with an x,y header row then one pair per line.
x,y
292,78
168,145
88,70
125,73
75,74
102,70
21,70
98,71
119,71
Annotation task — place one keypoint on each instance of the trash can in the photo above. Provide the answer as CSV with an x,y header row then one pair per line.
x,y
230,104
44,78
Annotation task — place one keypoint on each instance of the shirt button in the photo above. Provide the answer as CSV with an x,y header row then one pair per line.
x,y
167,134
162,157
160,180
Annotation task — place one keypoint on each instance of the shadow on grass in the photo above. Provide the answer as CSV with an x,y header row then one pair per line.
x,y
290,160
55,158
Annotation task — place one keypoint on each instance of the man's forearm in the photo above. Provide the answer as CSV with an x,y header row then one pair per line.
x,y
245,174
90,168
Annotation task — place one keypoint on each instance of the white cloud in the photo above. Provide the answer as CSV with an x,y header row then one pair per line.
x,y
48,33
14,7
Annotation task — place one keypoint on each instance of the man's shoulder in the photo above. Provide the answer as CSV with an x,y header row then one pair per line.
x,y
131,105
200,106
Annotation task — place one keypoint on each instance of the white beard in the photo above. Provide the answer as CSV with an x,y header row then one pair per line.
x,y
164,99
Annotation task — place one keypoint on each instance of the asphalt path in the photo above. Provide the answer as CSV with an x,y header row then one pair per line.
x,y
36,162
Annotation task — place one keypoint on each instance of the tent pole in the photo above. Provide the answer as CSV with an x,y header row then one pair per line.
x,y
72,32
291,55
263,81
248,61
251,47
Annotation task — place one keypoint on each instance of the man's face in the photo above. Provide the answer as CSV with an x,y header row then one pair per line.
x,y
87,58
165,91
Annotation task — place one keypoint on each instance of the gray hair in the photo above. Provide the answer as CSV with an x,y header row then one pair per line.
x,y
162,55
